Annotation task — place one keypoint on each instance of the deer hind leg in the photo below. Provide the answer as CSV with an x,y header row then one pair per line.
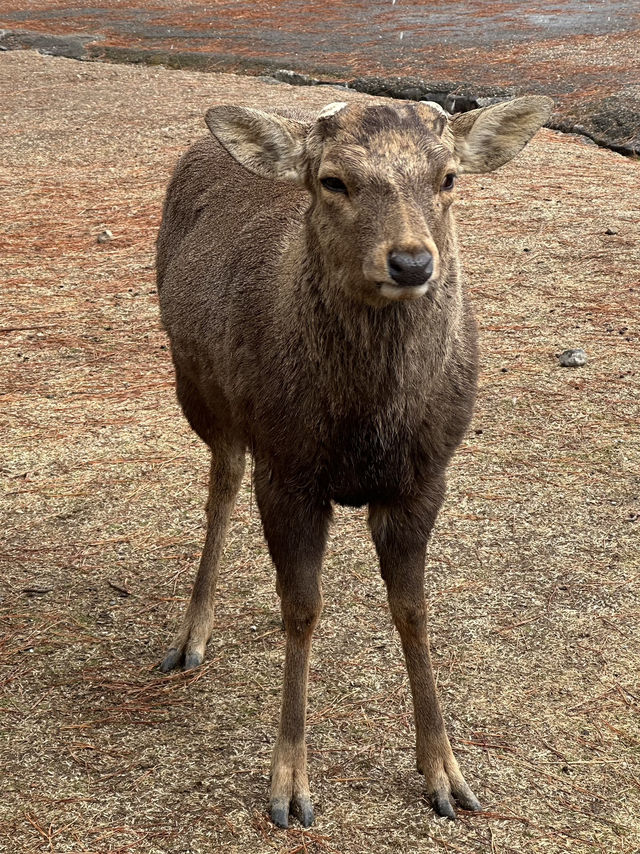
x,y
296,534
402,549
188,645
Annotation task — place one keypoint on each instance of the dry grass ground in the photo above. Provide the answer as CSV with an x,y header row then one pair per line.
x,y
534,567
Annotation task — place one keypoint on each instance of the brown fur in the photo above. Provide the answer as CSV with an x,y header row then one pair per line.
x,y
290,340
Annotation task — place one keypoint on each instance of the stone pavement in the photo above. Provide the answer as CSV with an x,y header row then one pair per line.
x,y
586,55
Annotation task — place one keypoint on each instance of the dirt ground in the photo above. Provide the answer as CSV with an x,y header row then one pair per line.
x,y
534,566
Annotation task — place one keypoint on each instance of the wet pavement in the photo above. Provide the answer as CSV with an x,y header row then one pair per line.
x,y
586,55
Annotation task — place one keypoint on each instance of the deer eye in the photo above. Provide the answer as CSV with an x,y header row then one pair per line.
x,y
334,185
449,182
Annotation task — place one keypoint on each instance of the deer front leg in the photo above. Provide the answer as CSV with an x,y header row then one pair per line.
x,y
188,645
400,536
296,533
289,780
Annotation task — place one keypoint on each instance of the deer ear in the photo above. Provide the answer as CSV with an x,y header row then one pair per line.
x,y
488,138
268,145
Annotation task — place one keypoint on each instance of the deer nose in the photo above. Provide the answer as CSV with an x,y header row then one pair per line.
x,y
405,268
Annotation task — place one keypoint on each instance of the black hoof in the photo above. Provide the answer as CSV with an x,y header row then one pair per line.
x,y
303,811
300,809
192,659
468,801
280,815
171,660
442,805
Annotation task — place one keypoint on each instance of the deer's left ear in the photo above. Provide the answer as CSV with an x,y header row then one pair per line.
x,y
487,138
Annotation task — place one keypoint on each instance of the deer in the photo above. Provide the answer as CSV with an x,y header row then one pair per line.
x,y
309,281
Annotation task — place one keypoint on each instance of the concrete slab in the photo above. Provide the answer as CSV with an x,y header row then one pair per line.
x,y
585,55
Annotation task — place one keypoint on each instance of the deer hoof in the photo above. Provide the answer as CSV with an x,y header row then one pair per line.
x,y
464,797
442,805
300,808
175,657
466,800
280,815
171,660
191,660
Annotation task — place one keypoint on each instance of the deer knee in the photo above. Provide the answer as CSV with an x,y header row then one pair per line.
x,y
409,616
300,612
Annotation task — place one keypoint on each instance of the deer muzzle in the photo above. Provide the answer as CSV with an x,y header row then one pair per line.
x,y
409,269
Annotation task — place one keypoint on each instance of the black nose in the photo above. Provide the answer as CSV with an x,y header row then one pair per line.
x,y
408,269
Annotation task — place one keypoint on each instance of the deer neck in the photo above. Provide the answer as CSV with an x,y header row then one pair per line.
x,y
371,350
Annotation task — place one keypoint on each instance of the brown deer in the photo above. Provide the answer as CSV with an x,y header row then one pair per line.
x,y
309,283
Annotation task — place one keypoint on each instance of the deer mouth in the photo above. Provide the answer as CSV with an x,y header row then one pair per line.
x,y
394,291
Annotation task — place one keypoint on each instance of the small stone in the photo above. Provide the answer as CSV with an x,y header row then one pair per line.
x,y
489,102
266,78
612,231
572,358
104,236
294,78
411,93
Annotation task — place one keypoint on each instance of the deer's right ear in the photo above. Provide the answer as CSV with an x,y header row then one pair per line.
x,y
266,144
